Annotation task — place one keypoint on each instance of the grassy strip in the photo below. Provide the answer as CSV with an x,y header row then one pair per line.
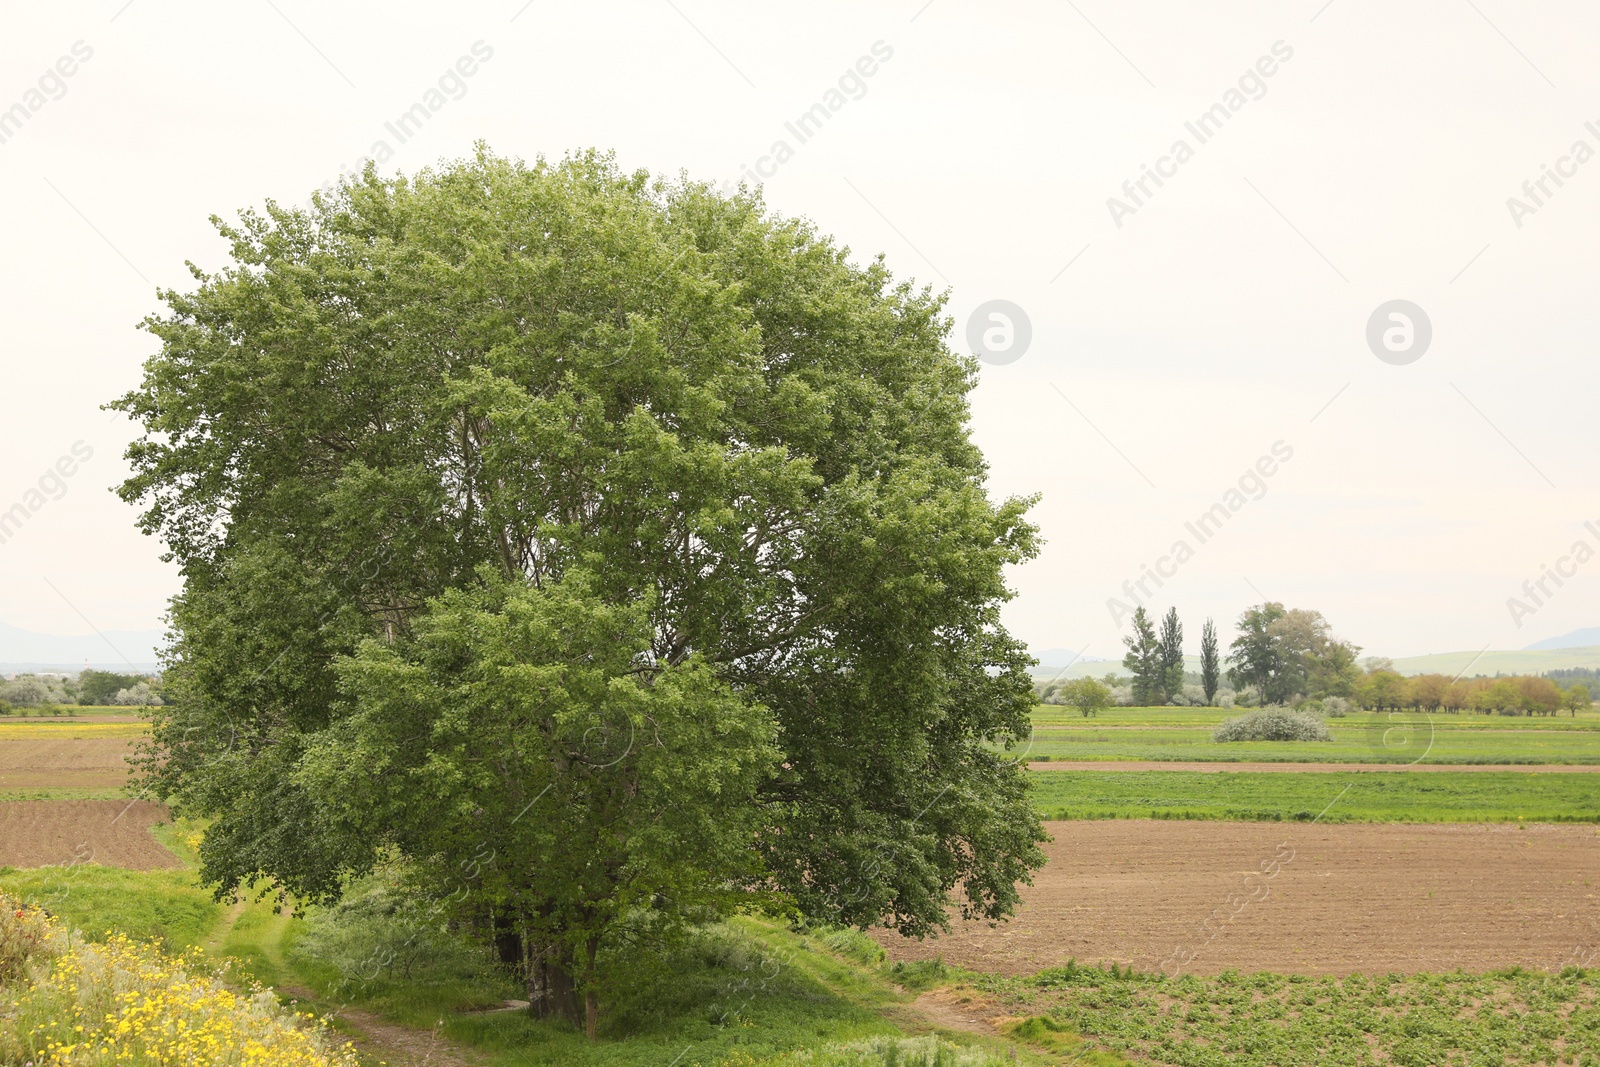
x,y
1374,796
68,730
109,793
98,901
1142,734
1045,715
1506,1018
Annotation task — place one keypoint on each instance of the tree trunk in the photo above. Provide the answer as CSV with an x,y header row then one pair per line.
x,y
591,998
552,994
508,942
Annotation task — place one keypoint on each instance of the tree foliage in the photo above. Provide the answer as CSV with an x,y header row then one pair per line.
x,y
1285,653
1210,662
1089,695
410,436
1144,661
1382,689
1171,656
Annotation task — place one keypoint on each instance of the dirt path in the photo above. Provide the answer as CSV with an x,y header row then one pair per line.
x,y
398,1046
1312,768
1204,897
954,1008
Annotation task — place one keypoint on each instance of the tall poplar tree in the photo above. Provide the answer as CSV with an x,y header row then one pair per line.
x,y
1171,655
1210,662
1143,660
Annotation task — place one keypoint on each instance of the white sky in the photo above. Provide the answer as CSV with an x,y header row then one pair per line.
x,y
1219,318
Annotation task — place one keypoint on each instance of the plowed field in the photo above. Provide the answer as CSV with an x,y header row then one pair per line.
x,y
115,833
1204,897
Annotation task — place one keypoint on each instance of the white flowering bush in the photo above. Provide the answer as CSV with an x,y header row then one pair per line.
x,y
1273,724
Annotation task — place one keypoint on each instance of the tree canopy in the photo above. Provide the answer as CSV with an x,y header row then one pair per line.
x,y
466,470
1289,652
1144,660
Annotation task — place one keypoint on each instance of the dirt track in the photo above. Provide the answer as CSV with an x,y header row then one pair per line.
x,y
1211,767
1347,898
115,833
64,763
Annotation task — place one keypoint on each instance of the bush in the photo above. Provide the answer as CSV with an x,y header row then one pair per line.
x,y
140,695
1335,707
382,930
1273,724
24,692
74,1003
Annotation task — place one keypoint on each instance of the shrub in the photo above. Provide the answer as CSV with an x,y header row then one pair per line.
x,y
1335,707
383,929
25,932
1273,724
24,692
84,1004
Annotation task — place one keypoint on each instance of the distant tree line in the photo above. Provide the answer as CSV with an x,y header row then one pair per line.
x,y
1381,688
1290,656
89,688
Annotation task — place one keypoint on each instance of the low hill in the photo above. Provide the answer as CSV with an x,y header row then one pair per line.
x,y
1588,638
1527,661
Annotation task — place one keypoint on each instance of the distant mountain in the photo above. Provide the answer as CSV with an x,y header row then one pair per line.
x,y
1576,639
1060,657
24,650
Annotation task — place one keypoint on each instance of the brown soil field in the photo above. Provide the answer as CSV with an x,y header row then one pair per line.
x,y
115,833
1205,897
1215,767
35,762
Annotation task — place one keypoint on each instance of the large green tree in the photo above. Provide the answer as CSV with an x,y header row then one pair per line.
x,y
1256,655
1289,652
1210,661
1171,655
409,435
1144,660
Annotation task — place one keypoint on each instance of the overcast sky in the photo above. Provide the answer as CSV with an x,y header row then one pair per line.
x,y
1361,153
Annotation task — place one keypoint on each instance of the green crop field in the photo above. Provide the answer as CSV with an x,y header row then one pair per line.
x,y
1184,734
1269,1020
1372,796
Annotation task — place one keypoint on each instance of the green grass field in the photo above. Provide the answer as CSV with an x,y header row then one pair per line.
x,y
1266,1020
1373,796
1184,734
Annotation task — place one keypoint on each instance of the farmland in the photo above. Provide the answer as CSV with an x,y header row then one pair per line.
x,y
1267,1020
1184,734
85,758
1369,923
1371,796
1165,897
